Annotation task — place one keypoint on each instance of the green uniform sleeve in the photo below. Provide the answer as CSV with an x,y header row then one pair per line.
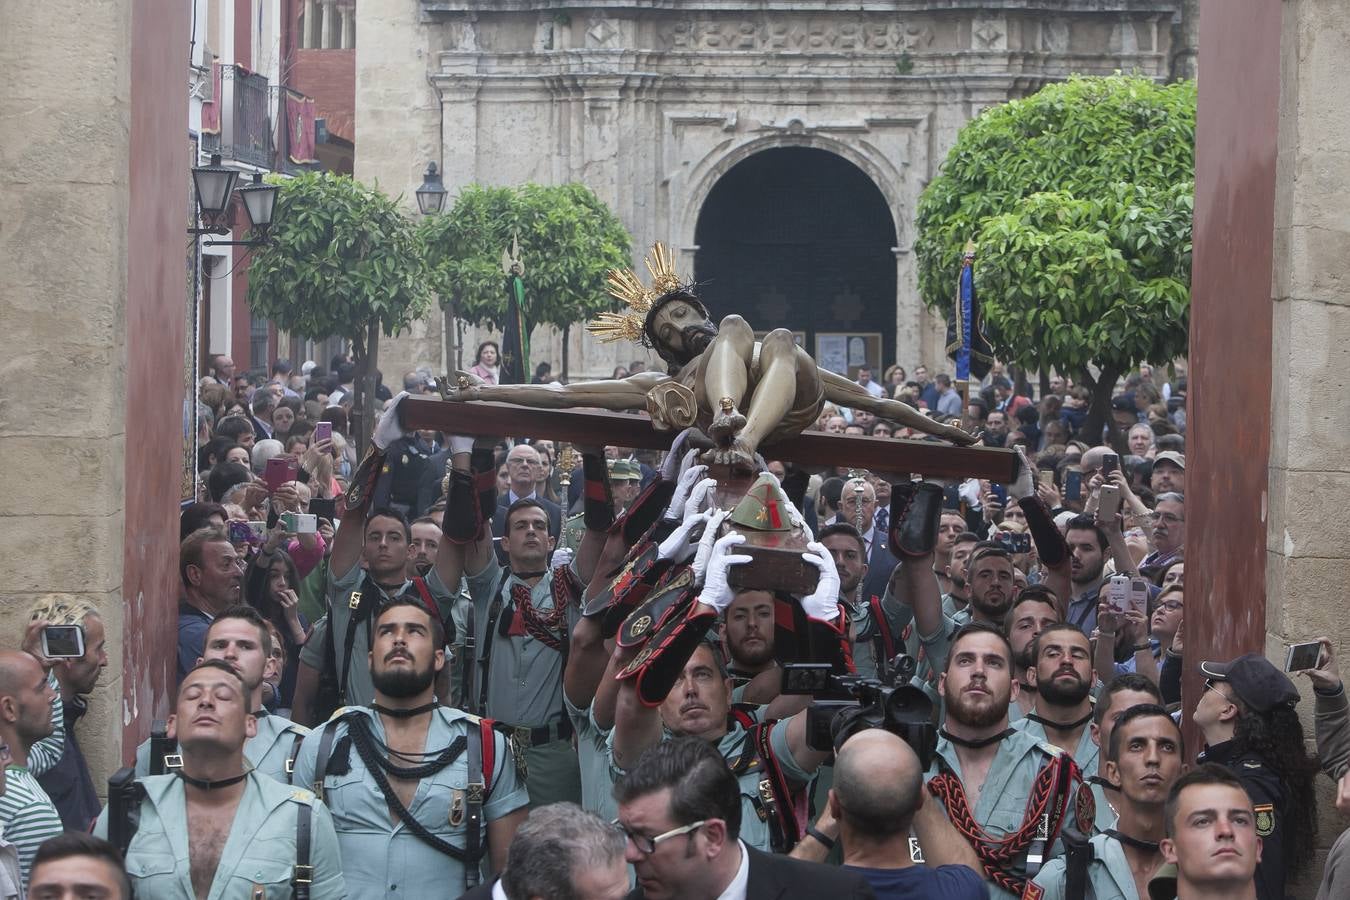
x,y
508,793
1051,878
778,743
325,856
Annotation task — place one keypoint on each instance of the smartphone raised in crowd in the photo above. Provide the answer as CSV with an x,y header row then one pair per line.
x,y
63,641
280,469
1073,485
1138,598
1118,593
1110,462
323,431
1108,502
1302,656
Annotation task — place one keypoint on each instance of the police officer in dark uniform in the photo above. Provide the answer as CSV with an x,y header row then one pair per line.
x,y
404,462
1247,716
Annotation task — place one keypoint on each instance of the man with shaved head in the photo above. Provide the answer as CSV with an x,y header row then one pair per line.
x,y
216,827
32,723
877,797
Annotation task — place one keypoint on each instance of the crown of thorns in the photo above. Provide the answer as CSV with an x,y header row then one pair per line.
x,y
640,299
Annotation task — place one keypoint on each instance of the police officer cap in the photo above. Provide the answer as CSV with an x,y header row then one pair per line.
x,y
1255,680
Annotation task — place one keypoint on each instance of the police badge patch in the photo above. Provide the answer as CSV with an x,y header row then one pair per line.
x,y
1265,819
1085,809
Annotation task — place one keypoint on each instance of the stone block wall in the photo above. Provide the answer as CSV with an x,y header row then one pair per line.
x,y
1307,541
92,290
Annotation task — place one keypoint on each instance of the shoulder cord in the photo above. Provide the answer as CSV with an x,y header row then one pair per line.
x,y
996,854
367,744
374,764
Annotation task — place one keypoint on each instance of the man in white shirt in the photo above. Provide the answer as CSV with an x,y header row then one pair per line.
x,y
866,383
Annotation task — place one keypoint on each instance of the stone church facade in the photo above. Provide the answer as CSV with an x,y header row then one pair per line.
x,y
780,146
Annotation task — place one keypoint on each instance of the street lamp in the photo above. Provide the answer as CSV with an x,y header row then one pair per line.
x,y
431,195
214,185
259,202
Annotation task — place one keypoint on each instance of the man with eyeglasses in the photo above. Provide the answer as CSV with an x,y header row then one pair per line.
x,y
680,810
1169,534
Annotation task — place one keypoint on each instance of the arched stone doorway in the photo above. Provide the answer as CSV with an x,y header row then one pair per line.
x,y
801,238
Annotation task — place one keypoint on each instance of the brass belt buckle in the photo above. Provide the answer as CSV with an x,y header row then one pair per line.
x,y
476,791
523,735
456,808
766,796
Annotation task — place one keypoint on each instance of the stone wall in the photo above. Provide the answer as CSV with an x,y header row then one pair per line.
x,y
648,104
91,249
1308,561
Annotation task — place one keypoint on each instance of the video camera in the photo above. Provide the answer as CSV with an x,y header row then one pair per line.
x,y
847,704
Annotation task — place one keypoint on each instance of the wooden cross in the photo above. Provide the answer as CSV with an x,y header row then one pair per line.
x,y
596,427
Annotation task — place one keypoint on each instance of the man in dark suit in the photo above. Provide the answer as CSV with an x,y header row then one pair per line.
x,y
521,465
856,493
561,850
681,812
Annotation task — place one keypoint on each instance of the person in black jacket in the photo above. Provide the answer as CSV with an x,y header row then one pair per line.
x,y
1246,714
680,810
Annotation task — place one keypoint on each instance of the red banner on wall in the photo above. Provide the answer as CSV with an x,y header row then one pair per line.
x,y
211,108
300,122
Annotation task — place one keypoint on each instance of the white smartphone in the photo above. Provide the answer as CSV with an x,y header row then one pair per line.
x,y
1138,601
1302,656
63,641
1118,593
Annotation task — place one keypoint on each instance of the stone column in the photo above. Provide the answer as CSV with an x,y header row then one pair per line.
x,y
93,277
398,130
1309,482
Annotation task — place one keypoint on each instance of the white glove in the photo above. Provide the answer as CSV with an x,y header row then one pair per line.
x,y
823,602
388,430
688,478
700,498
716,592
676,460
1024,485
680,545
460,443
969,491
562,557
705,544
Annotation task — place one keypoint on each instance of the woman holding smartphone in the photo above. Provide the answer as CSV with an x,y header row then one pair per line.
x,y
271,588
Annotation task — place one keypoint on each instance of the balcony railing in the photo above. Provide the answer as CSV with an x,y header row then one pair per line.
x,y
245,133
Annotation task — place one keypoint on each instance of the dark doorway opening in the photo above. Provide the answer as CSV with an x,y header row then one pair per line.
x,y
800,238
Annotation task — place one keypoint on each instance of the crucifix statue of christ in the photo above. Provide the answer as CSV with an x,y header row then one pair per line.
x,y
740,392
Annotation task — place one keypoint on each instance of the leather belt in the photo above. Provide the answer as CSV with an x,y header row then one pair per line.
x,y
536,735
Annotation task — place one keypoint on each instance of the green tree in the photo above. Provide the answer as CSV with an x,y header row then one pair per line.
x,y
341,260
568,239
1079,199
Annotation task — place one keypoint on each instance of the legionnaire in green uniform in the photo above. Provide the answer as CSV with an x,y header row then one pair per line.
x,y
417,790
1144,758
217,829
1212,846
626,477
1034,610
368,566
1063,678
1119,694
677,685
239,637
522,620
1008,794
